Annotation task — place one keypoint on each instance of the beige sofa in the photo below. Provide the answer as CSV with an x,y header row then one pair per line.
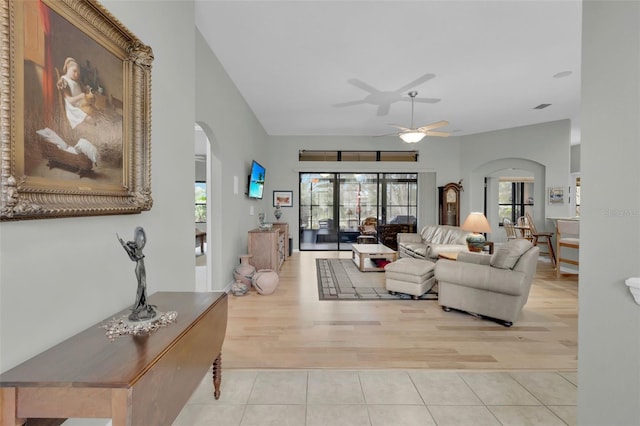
x,y
495,286
431,241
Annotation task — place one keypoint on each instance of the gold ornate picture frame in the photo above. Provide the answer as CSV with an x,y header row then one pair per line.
x,y
75,112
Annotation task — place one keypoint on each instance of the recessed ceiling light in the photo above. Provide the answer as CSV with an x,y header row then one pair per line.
x,y
563,74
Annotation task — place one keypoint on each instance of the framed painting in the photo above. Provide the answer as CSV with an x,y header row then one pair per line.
x,y
555,195
75,126
283,198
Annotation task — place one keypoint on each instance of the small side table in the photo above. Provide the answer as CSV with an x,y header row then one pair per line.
x,y
450,255
488,244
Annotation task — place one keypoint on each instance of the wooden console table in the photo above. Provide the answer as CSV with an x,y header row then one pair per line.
x,y
134,380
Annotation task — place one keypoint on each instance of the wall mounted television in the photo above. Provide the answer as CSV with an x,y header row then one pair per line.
x,y
256,180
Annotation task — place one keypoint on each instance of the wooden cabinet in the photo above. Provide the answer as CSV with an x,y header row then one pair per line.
x,y
284,227
449,201
267,248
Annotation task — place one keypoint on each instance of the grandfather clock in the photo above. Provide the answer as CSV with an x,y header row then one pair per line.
x,y
449,198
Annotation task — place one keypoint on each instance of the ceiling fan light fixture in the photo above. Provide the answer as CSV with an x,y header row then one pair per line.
x,y
412,136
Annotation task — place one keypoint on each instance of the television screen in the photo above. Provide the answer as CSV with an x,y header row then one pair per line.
x,y
256,180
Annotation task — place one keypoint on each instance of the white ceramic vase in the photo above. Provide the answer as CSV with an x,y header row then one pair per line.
x,y
265,281
244,272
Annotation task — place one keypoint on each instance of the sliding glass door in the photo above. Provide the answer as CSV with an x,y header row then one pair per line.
x,y
334,205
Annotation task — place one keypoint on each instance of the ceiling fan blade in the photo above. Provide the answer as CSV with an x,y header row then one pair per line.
x,y
404,129
383,109
427,100
388,134
433,125
441,134
362,85
415,82
344,104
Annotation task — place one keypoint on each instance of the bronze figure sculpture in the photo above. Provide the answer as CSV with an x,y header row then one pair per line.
x,y
141,310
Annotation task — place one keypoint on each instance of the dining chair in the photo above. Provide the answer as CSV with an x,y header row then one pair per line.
x,y
567,236
512,233
524,228
541,238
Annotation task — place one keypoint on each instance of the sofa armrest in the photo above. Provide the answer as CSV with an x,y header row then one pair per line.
x,y
403,237
482,277
471,257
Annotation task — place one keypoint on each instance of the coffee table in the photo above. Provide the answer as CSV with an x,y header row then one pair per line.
x,y
361,252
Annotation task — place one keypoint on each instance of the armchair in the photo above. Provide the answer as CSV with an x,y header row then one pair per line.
x,y
495,287
368,226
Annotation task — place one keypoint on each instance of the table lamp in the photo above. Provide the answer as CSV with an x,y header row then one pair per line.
x,y
476,222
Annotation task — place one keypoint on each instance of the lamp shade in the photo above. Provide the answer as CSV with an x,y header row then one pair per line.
x,y
412,136
476,222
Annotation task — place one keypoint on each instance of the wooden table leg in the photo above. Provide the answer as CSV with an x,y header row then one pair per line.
x,y
8,408
217,375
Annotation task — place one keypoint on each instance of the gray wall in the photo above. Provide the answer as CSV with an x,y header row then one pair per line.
x,y
284,168
236,138
575,158
73,270
609,329
542,149
60,276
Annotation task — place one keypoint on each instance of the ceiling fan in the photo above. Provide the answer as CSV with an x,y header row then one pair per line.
x,y
412,134
384,98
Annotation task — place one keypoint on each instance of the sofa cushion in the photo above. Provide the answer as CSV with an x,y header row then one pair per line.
x,y
429,233
443,234
411,266
507,255
417,248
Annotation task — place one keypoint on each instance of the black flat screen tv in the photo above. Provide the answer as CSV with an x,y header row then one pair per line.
x,y
256,180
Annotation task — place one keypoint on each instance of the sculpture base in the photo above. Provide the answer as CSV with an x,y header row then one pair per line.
x,y
123,325
145,313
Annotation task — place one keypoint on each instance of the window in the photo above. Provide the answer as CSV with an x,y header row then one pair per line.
x,y
515,198
333,205
201,202
307,155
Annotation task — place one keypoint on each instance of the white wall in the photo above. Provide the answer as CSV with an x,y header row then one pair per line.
x,y
609,329
60,276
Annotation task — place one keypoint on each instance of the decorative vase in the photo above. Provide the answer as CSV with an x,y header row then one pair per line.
x,y
239,288
265,281
262,225
244,272
277,213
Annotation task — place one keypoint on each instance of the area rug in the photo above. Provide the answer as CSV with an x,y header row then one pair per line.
x,y
340,279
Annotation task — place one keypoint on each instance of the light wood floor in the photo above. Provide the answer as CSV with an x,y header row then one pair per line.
x,y
292,329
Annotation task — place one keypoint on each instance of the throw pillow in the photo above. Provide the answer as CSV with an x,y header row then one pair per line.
x,y
506,256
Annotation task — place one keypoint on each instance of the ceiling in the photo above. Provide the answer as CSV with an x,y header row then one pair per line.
x,y
345,67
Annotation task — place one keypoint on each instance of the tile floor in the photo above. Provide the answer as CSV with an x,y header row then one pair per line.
x,y
384,398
